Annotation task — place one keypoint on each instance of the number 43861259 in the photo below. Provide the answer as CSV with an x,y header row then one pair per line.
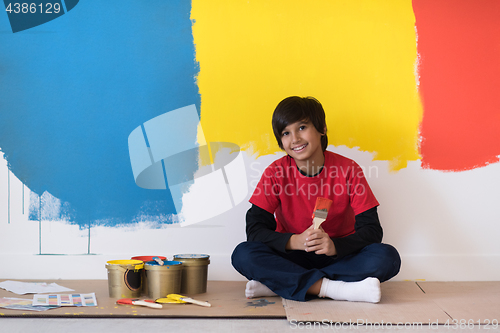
x,y
32,8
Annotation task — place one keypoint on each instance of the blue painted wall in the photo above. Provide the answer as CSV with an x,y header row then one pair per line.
x,y
74,88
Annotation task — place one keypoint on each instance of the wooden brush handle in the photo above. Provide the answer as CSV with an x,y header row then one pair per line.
x,y
190,300
317,222
148,304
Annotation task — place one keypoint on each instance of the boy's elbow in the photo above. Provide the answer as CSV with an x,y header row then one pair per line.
x,y
250,237
379,235
374,236
252,234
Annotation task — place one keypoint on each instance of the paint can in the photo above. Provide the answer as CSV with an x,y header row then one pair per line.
x,y
145,259
124,278
163,279
195,272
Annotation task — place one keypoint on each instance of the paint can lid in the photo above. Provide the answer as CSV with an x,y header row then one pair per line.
x,y
128,264
165,263
191,256
148,258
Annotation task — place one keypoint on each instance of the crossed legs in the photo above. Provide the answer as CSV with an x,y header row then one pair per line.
x,y
300,275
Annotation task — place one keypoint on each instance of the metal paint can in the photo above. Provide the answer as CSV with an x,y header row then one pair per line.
x,y
145,289
124,278
195,272
163,279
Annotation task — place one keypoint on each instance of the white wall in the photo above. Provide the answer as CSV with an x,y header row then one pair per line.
x,y
443,224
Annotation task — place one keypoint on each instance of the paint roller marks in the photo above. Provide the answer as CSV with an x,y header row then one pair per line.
x,y
356,57
75,147
459,79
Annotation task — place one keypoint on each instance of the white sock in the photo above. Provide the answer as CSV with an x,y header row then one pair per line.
x,y
367,290
257,289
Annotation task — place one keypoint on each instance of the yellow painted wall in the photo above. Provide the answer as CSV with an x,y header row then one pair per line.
x,y
356,57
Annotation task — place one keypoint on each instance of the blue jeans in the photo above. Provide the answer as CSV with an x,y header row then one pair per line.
x,y
291,274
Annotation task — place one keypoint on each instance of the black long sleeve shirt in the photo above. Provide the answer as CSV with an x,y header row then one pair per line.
x,y
261,226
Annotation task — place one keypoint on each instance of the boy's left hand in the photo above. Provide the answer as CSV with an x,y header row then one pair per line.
x,y
319,242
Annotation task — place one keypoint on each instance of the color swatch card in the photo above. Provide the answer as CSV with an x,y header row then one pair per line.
x,y
65,300
21,304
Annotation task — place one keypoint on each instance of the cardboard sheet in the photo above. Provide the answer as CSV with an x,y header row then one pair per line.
x,y
403,304
227,298
467,303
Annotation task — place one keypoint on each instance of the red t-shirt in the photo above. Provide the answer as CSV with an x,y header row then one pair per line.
x,y
291,196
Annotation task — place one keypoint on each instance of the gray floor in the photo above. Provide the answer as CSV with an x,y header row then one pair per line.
x,y
95,325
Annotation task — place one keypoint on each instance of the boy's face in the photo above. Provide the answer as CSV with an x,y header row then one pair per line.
x,y
302,142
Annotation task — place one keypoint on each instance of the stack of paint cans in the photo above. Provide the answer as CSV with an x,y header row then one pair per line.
x,y
155,277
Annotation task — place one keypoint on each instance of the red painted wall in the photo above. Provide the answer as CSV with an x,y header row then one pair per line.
x,y
459,46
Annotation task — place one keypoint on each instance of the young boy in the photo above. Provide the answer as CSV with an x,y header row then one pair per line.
x,y
344,259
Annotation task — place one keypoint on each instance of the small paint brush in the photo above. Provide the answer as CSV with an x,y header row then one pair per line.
x,y
167,300
158,260
321,211
134,301
188,300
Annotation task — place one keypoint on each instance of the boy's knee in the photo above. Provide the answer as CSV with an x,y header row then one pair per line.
x,y
238,253
389,262
388,251
242,254
392,262
245,257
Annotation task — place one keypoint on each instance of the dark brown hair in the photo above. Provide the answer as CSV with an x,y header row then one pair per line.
x,y
293,109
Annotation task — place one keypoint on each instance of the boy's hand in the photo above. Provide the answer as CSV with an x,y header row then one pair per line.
x,y
312,240
319,242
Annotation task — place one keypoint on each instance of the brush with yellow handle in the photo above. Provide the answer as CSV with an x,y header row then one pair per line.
x,y
321,211
188,300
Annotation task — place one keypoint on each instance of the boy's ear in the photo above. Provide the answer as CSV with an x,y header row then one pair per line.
x,y
324,131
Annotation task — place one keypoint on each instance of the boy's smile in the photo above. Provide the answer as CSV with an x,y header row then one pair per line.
x,y
302,142
299,148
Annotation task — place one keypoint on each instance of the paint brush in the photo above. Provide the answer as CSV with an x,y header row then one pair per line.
x,y
135,301
188,300
166,300
158,260
321,211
